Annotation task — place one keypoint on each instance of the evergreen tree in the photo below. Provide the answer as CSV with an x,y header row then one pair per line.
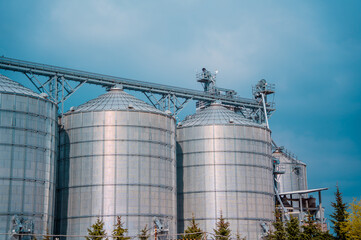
x,y
293,229
119,231
239,237
339,215
324,236
280,232
193,231
96,231
144,235
310,229
352,227
222,231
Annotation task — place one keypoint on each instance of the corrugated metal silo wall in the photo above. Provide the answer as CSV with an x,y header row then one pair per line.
x,y
28,145
116,163
295,176
225,168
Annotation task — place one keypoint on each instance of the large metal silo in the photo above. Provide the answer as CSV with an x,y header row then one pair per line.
x,y
28,144
295,176
224,165
117,158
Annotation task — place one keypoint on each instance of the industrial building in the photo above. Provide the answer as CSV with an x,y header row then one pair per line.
x,y
117,155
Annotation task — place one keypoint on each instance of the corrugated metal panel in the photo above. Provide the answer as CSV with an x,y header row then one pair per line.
x,y
116,99
28,148
295,177
116,161
224,166
216,114
9,86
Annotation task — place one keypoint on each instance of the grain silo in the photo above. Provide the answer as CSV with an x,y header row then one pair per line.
x,y
295,176
117,158
28,130
224,164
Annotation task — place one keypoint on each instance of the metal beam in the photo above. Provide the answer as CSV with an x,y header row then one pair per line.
x,y
65,74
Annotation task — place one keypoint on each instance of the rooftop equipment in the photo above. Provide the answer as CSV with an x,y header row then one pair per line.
x,y
208,81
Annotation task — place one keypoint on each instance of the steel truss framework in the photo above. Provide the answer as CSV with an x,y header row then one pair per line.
x,y
60,83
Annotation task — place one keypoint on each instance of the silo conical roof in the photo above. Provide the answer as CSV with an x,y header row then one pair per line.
x,y
9,86
216,114
116,100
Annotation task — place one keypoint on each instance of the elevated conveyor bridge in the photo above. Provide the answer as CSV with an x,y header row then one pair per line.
x,y
59,85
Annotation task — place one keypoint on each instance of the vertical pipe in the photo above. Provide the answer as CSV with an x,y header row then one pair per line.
x,y
174,103
56,89
62,95
169,102
301,209
283,207
320,209
264,109
155,232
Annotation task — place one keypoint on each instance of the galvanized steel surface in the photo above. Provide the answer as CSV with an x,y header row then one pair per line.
x,y
216,114
28,145
224,165
9,86
116,99
295,176
116,161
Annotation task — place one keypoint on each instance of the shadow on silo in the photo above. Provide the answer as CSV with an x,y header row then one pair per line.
x,y
180,196
62,183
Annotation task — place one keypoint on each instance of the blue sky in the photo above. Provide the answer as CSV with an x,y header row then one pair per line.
x,y
311,50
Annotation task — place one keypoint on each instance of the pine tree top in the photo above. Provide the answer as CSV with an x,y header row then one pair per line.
x,y
96,231
339,216
119,231
143,235
193,231
222,231
340,207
